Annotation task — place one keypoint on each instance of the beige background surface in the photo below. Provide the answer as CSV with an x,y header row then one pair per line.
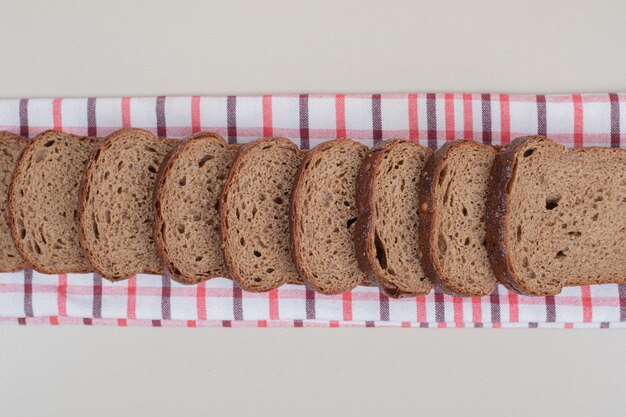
x,y
75,48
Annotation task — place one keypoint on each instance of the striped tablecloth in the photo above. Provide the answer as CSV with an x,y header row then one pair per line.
x,y
148,300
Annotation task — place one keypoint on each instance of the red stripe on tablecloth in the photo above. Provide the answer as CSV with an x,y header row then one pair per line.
x,y
24,117
420,308
413,122
160,117
513,307
486,118
131,304
542,116
96,310
505,120
273,302
615,122
340,115
621,289
346,298
468,122
125,111
303,102
333,323
62,295
585,292
449,111
231,118
267,117
57,118
477,310
577,101
377,122
92,125
201,301
458,311
310,303
195,114
191,323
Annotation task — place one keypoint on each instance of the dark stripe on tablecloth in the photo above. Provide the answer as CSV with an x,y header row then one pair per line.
x,y
377,121
542,116
384,306
166,294
440,312
160,117
97,296
550,309
303,103
621,288
615,124
431,120
486,113
92,129
231,118
24,117
310,303
494,299
28,292
237,302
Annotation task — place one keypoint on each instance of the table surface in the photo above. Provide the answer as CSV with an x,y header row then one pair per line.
x,y
73,48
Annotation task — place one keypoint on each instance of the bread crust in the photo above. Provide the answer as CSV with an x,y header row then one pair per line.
x,y
162,175
22,263
497,210
364,232
84,192
234,170
429,179
294,211
11,207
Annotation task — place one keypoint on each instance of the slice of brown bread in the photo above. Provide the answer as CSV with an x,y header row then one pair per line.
x,y
453,192
322,216
254,215
557,217
387,203
116,208
11,147
43,200
186,200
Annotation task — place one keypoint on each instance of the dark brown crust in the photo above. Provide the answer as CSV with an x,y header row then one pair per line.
x,y
23,263
364,234
293,209
429,179
84,190
11,206
164,170
497,219
234,170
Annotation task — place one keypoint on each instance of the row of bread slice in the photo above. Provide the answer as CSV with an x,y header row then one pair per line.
x,y
341,215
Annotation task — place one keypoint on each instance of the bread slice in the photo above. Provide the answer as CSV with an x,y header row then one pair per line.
x,y
453,193
387,206
186,199
254,215
43,200
323,213
116,207
557,217
11,147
